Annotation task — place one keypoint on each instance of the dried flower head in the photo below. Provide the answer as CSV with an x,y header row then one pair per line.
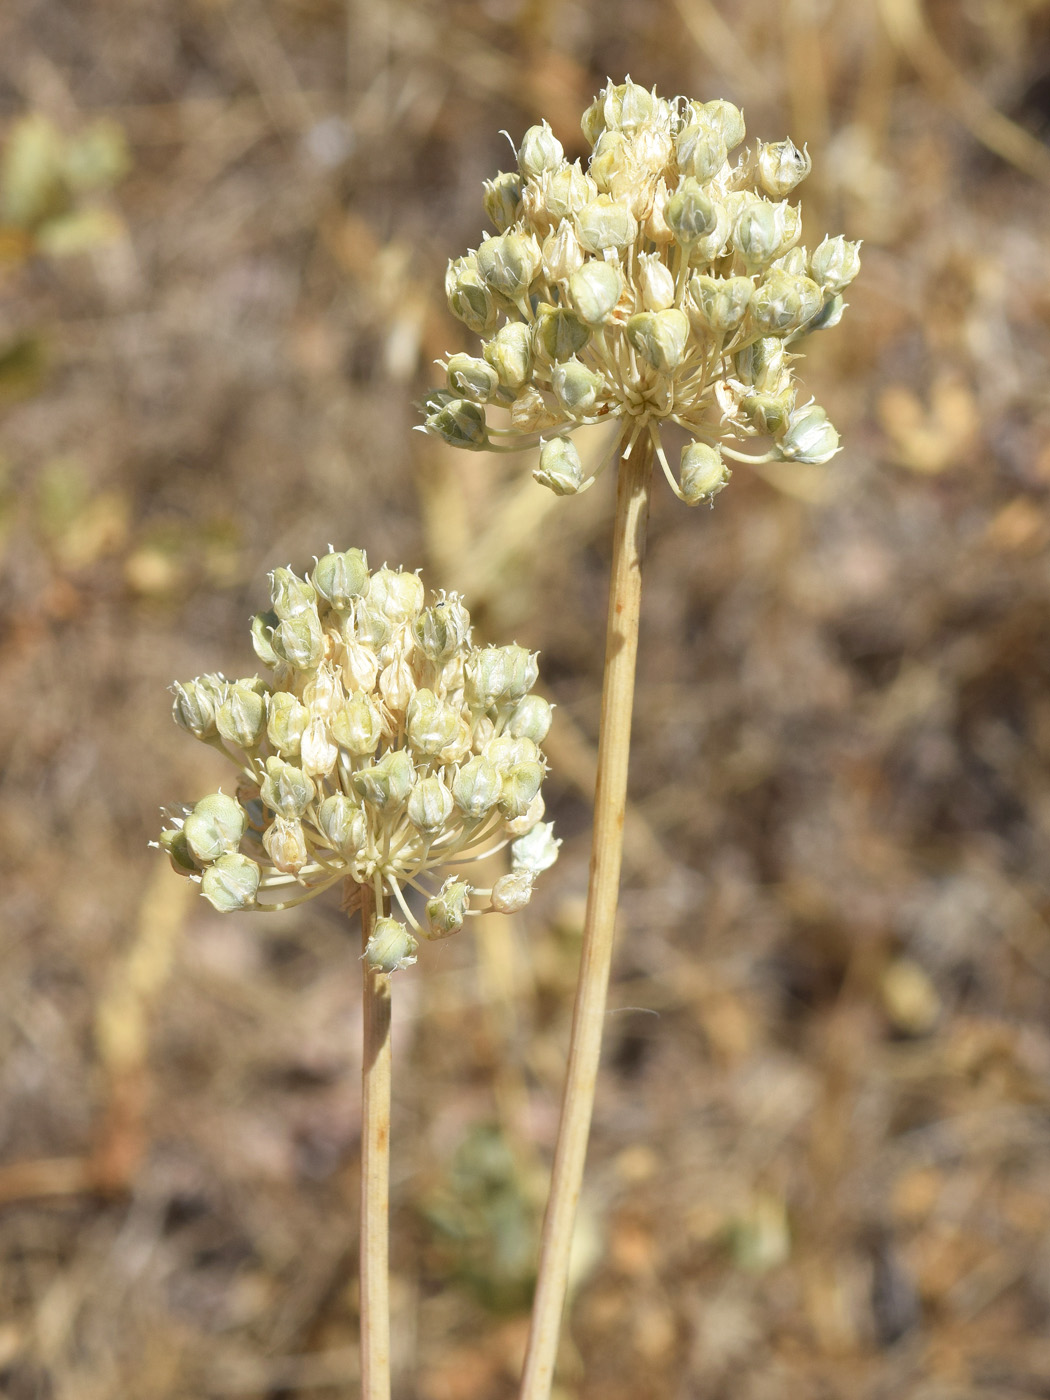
x,y
384,747
662,284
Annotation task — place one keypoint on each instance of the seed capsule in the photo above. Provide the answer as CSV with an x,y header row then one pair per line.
x,y
502,196
215,826
560,468
595,291
343,824
659,338
540,151
576,387
241,717
782,166
196,705
476,788
429,805
511,893
386,783
341,578
509,352
390,947
471,378
286,789
810,437
702,472
231,883
536,851
447,910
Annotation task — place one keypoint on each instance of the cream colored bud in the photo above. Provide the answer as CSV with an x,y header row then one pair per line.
x,y
562,254
397,683
520,787
656,282
339,578
509,352
720,302
215,826
537,851
196,704
558,333
783,302
810,437
286,719
291,596
469,299
172,841
595,291
262,637
460,423
795,261
285,843
592,123
448,909
627,106
286,789
659,338
726,119
521,826
782,166
530,411
372,627
603,224
430,723
576,387
560,468
765,364
508,263
690,212
713,245
511,893
502,197
386,783
835,263
611,159
531,719
471,378
318,754
757,233
655,226
390,947
360,667
829,315
343,824
476,788
443,628
540,151
241,717
567,191
500,673
768,413
231,883
429,806
323,693
702,472
299,641
701,149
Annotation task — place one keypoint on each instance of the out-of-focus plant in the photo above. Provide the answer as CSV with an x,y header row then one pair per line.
x,y
664,285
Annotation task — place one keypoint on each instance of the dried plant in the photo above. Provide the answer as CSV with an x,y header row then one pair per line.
x,y
663,285
385,747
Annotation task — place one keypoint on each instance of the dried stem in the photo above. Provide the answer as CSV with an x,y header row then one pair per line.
x,y
375,1171
621,647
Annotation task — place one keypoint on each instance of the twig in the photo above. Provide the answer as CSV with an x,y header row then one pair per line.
x,y
621,647
375,1171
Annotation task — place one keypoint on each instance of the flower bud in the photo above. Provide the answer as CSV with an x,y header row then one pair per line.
x,y
231,883
537,851
390,947
340,578
471,378
447,910
173,841
242,715
540,151
291,596
558,333
567,191
690,212
782,166
285,844
605,224
756,233
509,352
215,826
469,300
530,412
430,724
656,281
627,106
286,789
429,806
595,291
500,673
343,824
829,315
782,302
726,119
562,254
519,788
397,684
262,637
318,754
299,641
372,630
502,196
592,123
286,719
768,413
360,666
765,364
655,225
560,468
508,263
701,149
576,387
721,302
388,782
460,423
506,751
810,437
512,892
196,704
795,261
476,788
835,263
702,472
659,338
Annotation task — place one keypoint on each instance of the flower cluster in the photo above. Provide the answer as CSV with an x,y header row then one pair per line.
x,y
384,747
662,284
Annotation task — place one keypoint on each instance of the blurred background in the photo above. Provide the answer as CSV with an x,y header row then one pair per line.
x,y
821,1157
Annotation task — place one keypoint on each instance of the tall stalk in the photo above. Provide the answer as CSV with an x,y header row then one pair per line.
x,y
621,649
375,1169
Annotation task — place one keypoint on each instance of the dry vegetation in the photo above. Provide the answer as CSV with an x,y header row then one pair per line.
x,y
822,1149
